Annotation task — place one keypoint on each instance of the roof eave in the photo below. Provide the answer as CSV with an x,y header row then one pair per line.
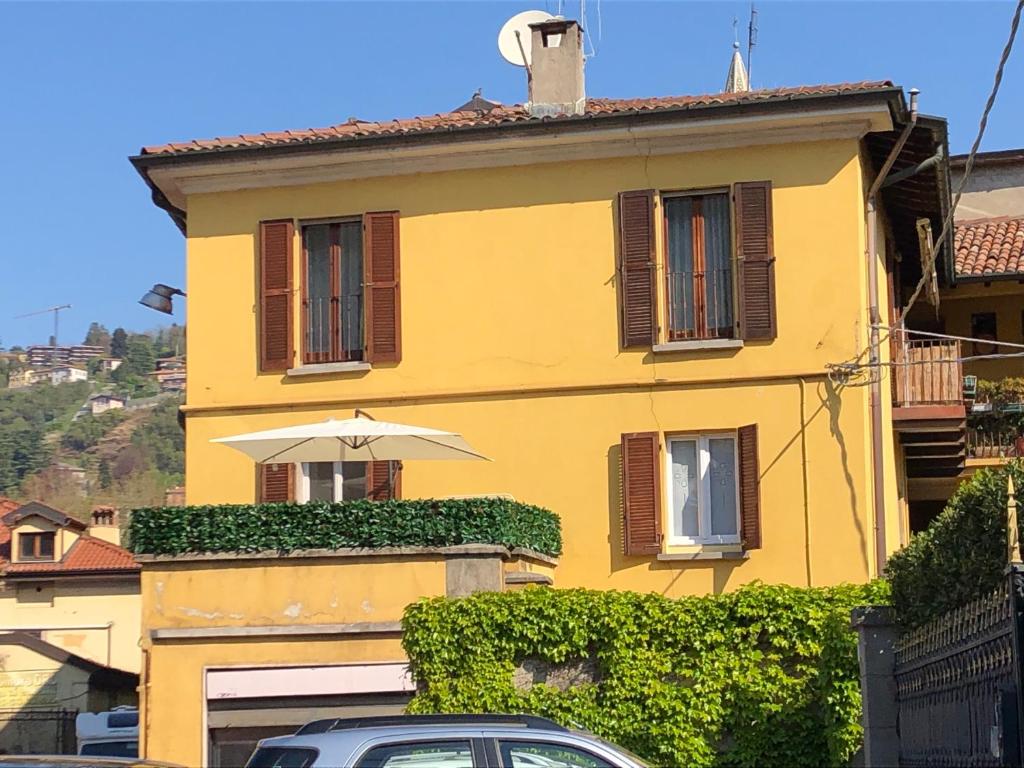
x,y
890,95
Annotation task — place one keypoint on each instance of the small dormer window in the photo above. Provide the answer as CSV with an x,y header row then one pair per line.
x,y
36,546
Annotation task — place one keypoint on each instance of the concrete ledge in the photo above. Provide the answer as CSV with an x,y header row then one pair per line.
x,y
289,630
325,369
526,577
471,550
529,554
687,556
872,616
698,345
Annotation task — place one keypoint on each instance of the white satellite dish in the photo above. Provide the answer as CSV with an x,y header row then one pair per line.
x,y
509,41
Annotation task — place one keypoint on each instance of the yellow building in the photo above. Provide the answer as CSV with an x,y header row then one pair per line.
x,y
69,584
631,307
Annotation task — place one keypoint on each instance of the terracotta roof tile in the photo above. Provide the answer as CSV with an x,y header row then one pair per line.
x,y
990,247
505,115
86,554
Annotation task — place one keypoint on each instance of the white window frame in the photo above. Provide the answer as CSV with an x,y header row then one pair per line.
x,y
703,489
302,492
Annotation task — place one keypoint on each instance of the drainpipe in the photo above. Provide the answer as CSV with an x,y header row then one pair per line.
x,y
874,359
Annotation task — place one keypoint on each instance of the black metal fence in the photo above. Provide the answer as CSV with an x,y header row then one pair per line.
x,y
958,683
37,731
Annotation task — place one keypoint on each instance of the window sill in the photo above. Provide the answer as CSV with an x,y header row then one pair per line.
x,y
737,554
321,369
698,345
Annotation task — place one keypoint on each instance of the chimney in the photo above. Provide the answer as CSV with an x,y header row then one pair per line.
x,y
556,72
105,525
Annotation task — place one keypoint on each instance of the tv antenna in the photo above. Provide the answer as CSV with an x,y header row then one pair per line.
x,y
751,41
515,39
56,324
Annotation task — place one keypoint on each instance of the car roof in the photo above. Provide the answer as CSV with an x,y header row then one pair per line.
x,y
78,761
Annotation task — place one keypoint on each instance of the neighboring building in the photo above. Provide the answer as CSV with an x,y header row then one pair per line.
x,y
109,364
106,402
175,497
62,374
170,374
69,624
630,306
49,356
70,584
26,377
983,301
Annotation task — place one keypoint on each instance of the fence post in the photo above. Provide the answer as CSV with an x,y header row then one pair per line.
x,y
876,652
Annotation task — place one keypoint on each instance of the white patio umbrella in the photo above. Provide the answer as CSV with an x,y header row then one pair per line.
x,y
358,439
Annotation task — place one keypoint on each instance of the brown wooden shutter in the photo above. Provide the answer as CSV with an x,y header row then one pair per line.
x,y
276,246
637,270
276,482
641,493
378,477
381,292
755,259
750,488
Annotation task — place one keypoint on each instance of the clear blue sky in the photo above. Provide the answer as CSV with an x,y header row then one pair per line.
x,y
84,85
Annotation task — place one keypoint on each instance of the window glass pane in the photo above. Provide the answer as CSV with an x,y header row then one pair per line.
x,y
321,481
421,754
351,307
684,488
679,237
539,754
718,260
46,545
722,471
27,544
353,484
317,239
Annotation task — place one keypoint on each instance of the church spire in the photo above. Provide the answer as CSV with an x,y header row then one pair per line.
x,y
736,81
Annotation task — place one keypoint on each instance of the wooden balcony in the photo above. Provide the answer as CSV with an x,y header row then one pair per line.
x,y
928,405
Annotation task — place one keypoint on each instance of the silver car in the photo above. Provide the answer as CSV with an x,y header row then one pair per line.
x,y
440,741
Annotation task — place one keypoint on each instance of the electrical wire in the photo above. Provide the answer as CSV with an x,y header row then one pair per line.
x,y
948,219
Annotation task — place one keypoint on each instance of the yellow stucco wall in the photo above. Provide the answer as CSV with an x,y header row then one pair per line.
x,y
74,615
247,593
1006,299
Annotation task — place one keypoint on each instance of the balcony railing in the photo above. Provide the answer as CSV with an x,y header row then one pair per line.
x,y
985,442
926,371
700,304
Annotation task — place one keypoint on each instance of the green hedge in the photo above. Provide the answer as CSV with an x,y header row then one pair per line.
x,y
961,555
287,527
766,675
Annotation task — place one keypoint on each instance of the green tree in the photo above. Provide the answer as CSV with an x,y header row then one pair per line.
x,y
118,343
162,441
98,336
103,474
139,358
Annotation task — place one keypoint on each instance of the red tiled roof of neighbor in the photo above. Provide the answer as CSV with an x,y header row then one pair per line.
x,y
990,247
86,554
507,114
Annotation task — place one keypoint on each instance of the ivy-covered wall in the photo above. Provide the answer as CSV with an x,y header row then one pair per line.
x,y
322,525
766,675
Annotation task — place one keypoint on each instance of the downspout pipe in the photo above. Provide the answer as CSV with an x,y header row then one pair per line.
x,y
874,355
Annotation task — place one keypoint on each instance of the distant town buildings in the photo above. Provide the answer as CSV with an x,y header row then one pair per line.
x,y
65,374
170,374
75,355
105,402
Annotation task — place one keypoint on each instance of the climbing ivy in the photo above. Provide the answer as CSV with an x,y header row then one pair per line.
x,y
766,675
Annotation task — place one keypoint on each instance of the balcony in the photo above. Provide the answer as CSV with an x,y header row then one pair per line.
x,y
929,412
995,424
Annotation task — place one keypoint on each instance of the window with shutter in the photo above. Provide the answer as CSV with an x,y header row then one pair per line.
x,y
332,292
750,487
384,480
637,268
756,259
699,266
703,491
641,493
334,481
275,308
276,482
383,301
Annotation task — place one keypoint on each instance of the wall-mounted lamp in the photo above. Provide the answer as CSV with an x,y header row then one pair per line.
x,y
159,298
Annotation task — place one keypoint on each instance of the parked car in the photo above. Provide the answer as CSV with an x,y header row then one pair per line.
x,y
77,761
440,741
108,734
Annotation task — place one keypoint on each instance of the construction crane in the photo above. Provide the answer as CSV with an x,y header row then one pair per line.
x,y
56,324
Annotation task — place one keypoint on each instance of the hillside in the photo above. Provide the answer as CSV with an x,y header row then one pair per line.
x,y
51,452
